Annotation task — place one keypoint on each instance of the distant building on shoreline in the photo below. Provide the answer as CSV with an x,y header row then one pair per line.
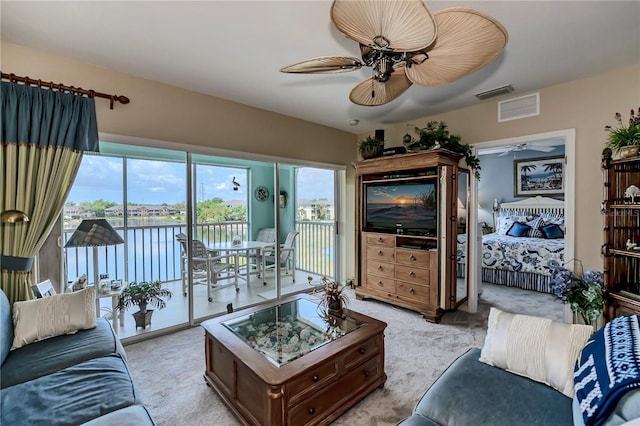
x,y
139,211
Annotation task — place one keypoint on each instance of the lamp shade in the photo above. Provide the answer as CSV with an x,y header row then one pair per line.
x,y
13,216
94,233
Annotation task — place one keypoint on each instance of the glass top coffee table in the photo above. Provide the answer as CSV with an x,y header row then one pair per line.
x,y
287,363
285,332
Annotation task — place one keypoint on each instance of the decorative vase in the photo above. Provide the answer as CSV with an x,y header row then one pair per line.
x,y
143,319
335,308
629,151
371,152
597,324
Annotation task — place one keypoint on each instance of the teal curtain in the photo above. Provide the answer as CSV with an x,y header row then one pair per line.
x,y
44,133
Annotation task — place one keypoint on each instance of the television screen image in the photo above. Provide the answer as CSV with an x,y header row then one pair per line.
x,y
410,206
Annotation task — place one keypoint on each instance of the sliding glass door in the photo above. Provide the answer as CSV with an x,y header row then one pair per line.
x,y
316,210
257,229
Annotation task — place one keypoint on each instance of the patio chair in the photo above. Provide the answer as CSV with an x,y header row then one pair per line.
x,y
208,267
265,235
287,256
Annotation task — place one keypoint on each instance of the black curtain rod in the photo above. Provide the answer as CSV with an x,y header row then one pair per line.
x,y
63,88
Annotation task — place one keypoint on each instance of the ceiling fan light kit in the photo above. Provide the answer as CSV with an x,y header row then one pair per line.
x,y
404,43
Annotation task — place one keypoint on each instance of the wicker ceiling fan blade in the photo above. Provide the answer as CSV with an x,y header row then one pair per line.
x,y
373,93
405,25
467,40
324,65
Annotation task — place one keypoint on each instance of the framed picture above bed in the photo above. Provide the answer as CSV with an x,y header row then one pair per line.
x,y
538,176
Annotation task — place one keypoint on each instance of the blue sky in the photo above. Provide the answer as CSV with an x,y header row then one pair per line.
x,y
157,182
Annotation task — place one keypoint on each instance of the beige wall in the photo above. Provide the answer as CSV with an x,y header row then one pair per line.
x,y
167,113
587,106
163,112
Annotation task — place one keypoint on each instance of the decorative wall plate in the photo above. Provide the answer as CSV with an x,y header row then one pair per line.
x,y
261,193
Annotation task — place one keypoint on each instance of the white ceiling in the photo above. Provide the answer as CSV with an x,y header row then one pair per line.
x,y
234,50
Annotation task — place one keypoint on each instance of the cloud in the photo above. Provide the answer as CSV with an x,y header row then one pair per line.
x,y
315,183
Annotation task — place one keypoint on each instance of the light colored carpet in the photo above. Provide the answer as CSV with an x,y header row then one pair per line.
x,y
168,370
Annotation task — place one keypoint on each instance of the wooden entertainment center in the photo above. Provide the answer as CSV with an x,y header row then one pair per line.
x,y
411,263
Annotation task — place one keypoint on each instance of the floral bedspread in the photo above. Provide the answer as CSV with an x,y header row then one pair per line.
x,y
519,254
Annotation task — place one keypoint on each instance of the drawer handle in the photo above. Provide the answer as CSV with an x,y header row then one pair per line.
x,y
412,257
316,378
380,253
362,351
380,239
312,411
412,274
366,373
379,267
380,283
411,291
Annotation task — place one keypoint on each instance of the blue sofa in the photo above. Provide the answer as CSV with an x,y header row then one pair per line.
x,y
72,379
472,393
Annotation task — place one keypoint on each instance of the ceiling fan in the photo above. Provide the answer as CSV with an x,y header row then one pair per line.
x,y
504,150
404,43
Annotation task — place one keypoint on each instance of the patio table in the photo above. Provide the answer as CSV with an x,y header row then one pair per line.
x,y
247,247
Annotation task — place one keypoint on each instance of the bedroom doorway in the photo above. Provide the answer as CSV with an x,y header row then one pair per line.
x,y
517,150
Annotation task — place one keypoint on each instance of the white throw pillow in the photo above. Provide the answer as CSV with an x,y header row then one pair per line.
x,y
39,319
538,348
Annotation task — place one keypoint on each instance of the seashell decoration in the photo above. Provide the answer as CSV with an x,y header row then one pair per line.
x,y
632,192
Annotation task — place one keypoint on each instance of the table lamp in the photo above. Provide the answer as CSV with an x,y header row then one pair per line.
x,y
94,233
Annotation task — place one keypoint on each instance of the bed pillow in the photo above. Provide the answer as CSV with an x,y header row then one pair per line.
x,y
537,348
535,224
549,218
506,221
40,319
518,229
552,231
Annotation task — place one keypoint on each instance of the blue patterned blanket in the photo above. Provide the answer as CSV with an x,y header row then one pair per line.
x,y
609,366
518,254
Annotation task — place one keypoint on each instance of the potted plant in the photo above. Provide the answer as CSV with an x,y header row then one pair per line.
x,y
333,300
582,291
143,294
436,135
371,147
624,140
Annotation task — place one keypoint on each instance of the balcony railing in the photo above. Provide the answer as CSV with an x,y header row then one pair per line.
x,y
153,252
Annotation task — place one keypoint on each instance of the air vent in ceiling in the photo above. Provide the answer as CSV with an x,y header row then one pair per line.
x,y
524,106
494,92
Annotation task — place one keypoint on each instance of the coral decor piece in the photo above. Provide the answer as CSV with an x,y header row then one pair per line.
x,y
632,192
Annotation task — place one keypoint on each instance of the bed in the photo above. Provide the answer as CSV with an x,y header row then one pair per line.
x,y
524,257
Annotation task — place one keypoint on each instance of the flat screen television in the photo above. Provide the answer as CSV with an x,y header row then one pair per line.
x,y
401,206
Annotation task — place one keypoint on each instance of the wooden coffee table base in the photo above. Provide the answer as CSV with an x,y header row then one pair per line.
x,y
312,390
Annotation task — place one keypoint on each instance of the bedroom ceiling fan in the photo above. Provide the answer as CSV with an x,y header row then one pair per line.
x,y
404,43
504,150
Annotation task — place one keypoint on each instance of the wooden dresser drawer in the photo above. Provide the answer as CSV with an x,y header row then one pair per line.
x,y
387,285
381,253
315,409
388,240
420,258
362,352
311,380
413,274
382,269
417,292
